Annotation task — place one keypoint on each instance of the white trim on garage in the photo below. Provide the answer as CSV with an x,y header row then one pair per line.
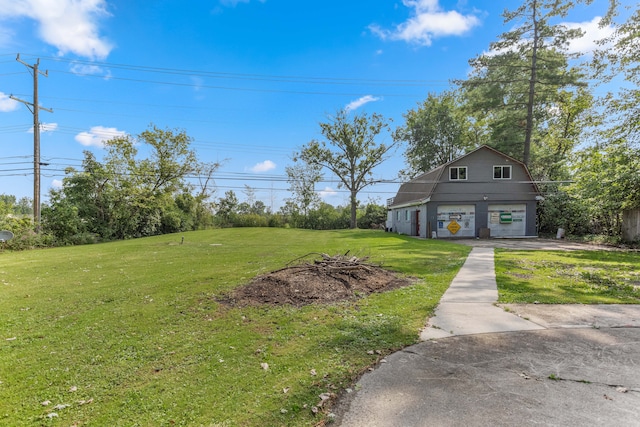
x,y
507,220
463,215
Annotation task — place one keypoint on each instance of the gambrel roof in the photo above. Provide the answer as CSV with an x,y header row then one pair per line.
x,y
420,189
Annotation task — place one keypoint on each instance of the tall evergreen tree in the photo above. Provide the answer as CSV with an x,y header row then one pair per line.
x,y
511,89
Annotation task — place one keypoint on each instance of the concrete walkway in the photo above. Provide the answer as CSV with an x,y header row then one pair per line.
x,y
480,365
468,306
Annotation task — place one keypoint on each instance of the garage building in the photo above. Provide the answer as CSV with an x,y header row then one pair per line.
x,y
484,193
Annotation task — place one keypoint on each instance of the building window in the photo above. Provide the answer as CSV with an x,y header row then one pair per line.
x,y
398,215
502,172
406,215
458,173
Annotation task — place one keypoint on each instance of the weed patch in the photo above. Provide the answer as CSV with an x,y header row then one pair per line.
x,y
572,277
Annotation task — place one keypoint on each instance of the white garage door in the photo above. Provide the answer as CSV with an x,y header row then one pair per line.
x,y
456,221
507,220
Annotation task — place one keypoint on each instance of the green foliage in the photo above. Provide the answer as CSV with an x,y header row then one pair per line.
x,y
562,209
435,133
607,181
327,217
227,209
373,216
513,92
128,195
133,333
621,58
9,205
24,236
302,178
14,219
354,152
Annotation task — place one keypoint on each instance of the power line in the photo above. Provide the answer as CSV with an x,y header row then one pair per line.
x,y
35,109
248,76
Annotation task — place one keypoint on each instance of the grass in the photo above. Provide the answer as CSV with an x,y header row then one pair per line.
x,y
568,277
131,334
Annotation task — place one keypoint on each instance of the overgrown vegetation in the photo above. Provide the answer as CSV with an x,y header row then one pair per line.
x,y
131,333
568,277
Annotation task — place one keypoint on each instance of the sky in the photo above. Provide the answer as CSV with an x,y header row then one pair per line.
x,y
248,80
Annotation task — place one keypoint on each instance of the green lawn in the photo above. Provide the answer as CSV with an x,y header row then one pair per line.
x,y
130,333
568,277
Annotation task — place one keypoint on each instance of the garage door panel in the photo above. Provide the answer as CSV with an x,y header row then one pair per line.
x,y
507,220
456,221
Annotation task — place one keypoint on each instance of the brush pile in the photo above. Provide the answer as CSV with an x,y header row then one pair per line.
x,y
318,278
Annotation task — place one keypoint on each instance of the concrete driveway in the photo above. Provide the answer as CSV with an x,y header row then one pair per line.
x,y
504,365
552,377
533,244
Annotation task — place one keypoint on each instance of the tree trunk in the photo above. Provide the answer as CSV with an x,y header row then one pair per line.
x,y
532,88
354,206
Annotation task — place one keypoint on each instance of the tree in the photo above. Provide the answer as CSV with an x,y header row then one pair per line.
x,y
227,208
356,151
621,57
513,86
127,195
435,133
607,180
302,178
570,118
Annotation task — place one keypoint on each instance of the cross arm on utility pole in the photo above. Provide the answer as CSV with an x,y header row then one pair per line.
x,y
35,108
30,104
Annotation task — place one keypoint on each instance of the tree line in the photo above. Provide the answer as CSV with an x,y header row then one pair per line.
x,y
529,96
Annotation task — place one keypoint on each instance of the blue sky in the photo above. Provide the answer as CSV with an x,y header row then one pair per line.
x,y
248,80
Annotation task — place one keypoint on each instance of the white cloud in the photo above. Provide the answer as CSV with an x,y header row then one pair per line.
x,y
98,135
69,25
45,127
327,192
265,166
89,70
56,183
428,21
6,35
234,3
587,44
353,105
197,83
7,104
48,127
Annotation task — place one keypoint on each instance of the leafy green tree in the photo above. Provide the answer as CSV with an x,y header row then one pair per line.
x,y
571,118
327,217
127,195
24,206
373,216
435,133
607,180
350,152
512,88
302,178
7,203
621,58
227,208
563,208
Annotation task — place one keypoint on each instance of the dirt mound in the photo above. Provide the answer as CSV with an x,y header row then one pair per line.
x,y
325,280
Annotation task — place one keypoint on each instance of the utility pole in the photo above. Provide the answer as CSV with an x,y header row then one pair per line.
x,y
35,108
